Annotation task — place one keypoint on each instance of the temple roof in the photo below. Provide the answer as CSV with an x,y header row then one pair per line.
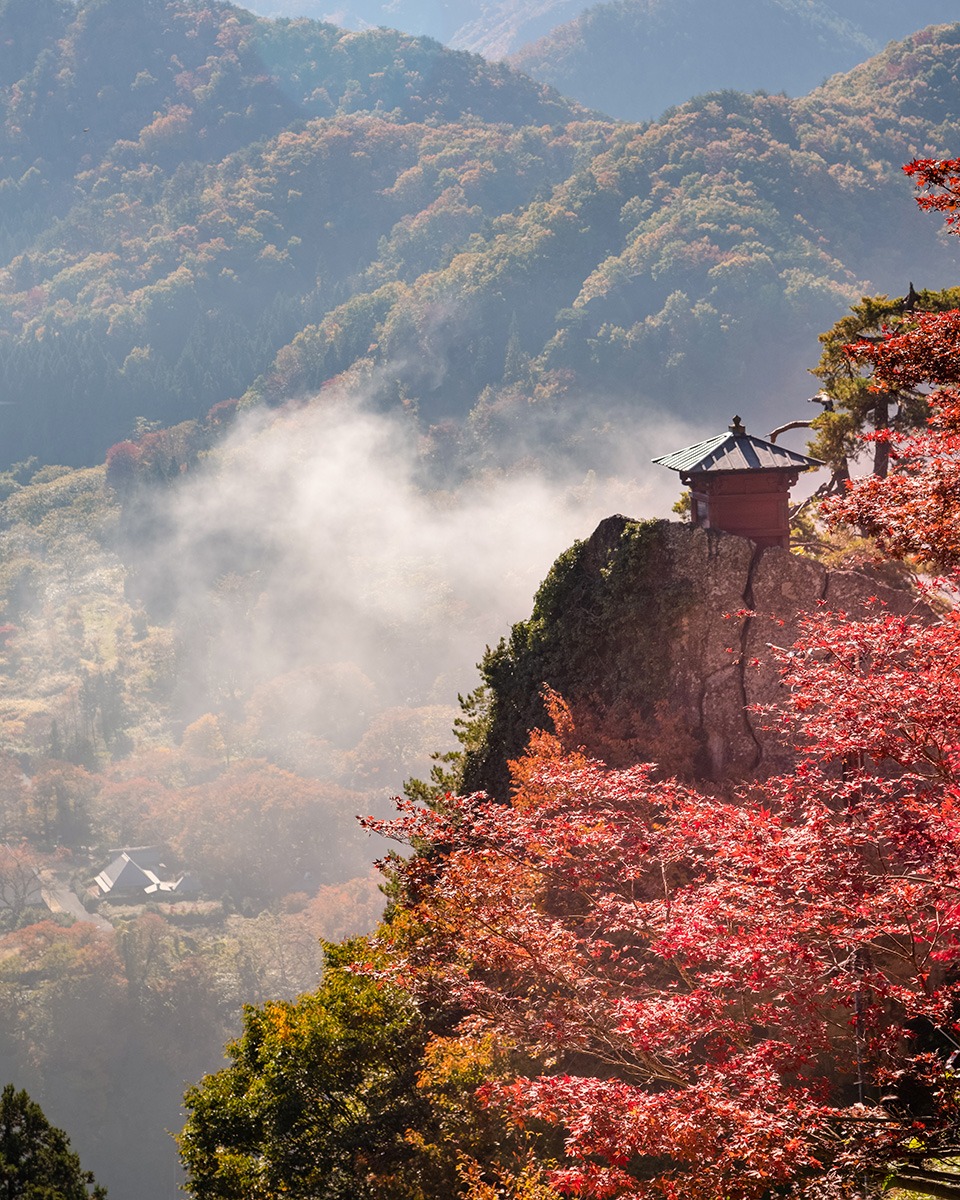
x,y
735,450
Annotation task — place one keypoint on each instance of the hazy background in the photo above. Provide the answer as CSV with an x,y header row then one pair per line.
x,y
320,541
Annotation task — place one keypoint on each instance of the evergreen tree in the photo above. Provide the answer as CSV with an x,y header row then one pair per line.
x,y
853,404
36,1162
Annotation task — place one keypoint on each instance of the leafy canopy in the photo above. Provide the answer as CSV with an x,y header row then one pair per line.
x,y
854,405
913,512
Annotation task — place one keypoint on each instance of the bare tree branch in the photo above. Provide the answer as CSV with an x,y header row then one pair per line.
x,y
789,425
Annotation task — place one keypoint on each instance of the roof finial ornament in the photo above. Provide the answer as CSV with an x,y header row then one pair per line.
x,y
737,428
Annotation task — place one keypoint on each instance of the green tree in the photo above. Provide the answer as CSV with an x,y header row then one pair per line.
x,y
36,1162
356,1092
316,1100
852,405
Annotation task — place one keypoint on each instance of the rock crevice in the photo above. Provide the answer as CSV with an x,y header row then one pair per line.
x,y
659,637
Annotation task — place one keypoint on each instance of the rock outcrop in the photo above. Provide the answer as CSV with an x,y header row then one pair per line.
x,y
645,631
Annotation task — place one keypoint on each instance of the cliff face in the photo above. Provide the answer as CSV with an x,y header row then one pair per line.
x,y
642,629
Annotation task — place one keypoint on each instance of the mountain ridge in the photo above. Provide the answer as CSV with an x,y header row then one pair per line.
x,y
634,59
500,28
438,235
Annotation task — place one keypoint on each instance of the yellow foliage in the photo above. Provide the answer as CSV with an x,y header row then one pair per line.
x,y
460,1061
527,1182
278,1018
543,746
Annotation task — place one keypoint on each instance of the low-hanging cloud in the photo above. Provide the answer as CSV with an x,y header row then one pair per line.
x,y
313,537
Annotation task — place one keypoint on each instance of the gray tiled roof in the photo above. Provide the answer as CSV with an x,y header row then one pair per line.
x,y
123,874
736,450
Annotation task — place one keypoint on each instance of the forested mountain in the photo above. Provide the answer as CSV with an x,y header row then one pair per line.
x,y
634,58
253,209
83,84
110,113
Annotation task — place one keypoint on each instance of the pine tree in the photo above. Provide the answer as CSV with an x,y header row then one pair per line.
x,y
36,1162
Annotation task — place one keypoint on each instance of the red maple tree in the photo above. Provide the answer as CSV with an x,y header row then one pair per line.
x,y
938,181
734,997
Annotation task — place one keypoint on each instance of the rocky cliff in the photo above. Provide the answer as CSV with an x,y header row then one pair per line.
x,y
658,635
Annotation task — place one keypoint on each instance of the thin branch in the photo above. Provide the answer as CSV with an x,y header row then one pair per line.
x,y
789,425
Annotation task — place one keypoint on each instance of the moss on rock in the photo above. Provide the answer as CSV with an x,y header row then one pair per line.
x,y
600,634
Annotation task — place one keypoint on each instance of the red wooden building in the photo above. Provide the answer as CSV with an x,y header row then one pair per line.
x,y
741,484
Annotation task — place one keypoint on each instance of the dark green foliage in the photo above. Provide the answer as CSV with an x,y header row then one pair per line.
x,y
317,1097
471,729
599,635
353,1092
36,1162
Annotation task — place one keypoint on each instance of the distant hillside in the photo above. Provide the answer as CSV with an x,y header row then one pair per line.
x,y
492,28
635,58
161,82
828,32
679,268
202,206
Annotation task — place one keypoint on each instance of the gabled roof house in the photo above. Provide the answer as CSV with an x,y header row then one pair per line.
x,y
139,874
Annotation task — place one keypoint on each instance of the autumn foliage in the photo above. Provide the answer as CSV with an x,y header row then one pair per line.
x,y
734,995
938,182
728,995
619,987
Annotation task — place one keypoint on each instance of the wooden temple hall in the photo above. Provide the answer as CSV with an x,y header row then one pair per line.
x,y
741,484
